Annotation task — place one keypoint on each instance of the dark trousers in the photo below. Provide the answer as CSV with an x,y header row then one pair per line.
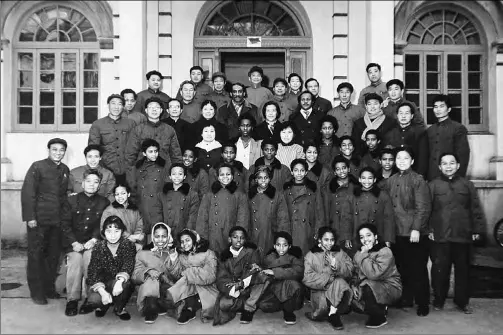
x,y
443,256
44,251
372,307
411,261
119,301
269,303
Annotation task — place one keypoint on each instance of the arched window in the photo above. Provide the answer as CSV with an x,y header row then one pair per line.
x,y
446,55
57,79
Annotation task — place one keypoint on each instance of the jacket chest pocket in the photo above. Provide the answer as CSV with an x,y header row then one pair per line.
x,y
108,137
463,198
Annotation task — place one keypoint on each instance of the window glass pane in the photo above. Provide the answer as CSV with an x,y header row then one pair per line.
x,y
473,39
430,116
90,61
455,100
474,100
473,62
46,80
25,98
69,116
46,98
69,99
69,79
412,80
432,81
414,97
41,35
25,79
474,116
47,115
69,61
454,80
474,80
25,61
47,61
91,98
432,63
453,62
455,114
90,114
91,79
25,115
89,35
428,38
411,62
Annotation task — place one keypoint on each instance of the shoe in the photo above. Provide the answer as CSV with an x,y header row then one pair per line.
x,y
53,295
72,308
39,301
150,318
335,321
376,322
466,309
186,316
246,317
290,318
86,308
99,312
423,310
123,315
310,316
438,306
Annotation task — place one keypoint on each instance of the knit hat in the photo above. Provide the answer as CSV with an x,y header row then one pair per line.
x,y
115,96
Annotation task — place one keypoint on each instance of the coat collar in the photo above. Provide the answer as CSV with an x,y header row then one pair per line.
x,y
194,170
317,249
184,189
334,185
216,186
226,254
131,205
159,161
444,178
294,251
275,164
307,182
375,190
236,164
270,191
377,247
316,169
202,246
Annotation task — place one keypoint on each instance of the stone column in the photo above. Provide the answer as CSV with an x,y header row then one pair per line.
x,y
165,47
340,42
380,35
6,164
357,46
498,158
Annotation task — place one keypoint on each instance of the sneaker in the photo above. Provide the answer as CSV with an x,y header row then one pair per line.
x,y
423,310
72,308
246,317
86,308
150,318
290,318
376,322
466,309
335,321
123,315
186,316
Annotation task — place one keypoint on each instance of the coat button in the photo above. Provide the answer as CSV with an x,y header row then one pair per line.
x,y
256,228
87,219
336,212
181,208
216,224
151,195
373,221
216,213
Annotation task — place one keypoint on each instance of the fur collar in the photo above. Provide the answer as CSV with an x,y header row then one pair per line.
x,y
377,247
131,205
236,164
184,189
317,249
316,169
270,191
216,186
275,164
194,170
334,185
202,246
226,254
294,251
159,161
375,190
355,159
307,182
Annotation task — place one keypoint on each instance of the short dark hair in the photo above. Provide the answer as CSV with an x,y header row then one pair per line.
x,y
443,154
442,98
196,67
283,234
95,172
115,96
224,165
369,226
299,161
149,142
229,144
271,103
128,90
309,80
395,82
256,69
408,104
262,168
57,140
289,124
373,96
279,80
154,99
340,159
152,73
293,74
190,233
247,116
113,220
195,150
236,228
211,103
346,137
367,169
310,143
405,148
332,120
173,99
93,147
373,132
323,230
188,82
215,75
387,151
373,65
180,165
268,141
305,92
245,94
345,85
124,185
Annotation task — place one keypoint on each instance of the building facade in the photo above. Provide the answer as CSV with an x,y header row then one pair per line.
x,y
61,60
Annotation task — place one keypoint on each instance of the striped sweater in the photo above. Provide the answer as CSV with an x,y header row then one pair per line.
x,y
287,153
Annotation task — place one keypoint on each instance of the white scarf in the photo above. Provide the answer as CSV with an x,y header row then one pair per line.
x,y
372,124
208,146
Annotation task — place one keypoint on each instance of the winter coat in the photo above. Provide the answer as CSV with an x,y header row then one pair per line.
x,y
448,136
176,208
105,267
456,210
137,117
338,203
196,130
221,209
287,106
371,159
112,136
305,208
228,116
391,110
148,93
359,127
195,271
308,128
327,152
146,180
191,112
198,180
376,268
181,128
262,132
411,202
258,96
280,173
161,132
268,214
413,136
346,117
240,175
220,98
44,192
208,159
322,104
203,91
379,87
374,207
107,182
320,174
81,221
129,215
325,282
355,165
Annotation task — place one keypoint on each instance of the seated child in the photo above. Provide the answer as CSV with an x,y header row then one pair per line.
x,y
194,267
149,273
378,281
127,211
197,178
222,208
110,270
239,279
268,210
210,149
284,265
387,166
229,157
305,206
81,231
348,151
326,271
372,146
328,141
317,172
288,149
177,204
280,173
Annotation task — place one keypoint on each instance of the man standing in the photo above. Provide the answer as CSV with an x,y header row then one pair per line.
x,y
376,84
42,198
191,108
130,98
219,95
346,113
197,77
395,98
307,120
111,133
154,80
321,104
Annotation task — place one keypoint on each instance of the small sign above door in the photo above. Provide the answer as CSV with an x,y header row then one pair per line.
x,y
254,41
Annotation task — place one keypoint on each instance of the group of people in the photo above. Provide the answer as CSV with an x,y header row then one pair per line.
x,y
205,203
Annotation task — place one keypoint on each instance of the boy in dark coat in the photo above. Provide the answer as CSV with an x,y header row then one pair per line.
x,y
197,178
280,173
347,149
372,149
387,166
42,198
457,219
328,141
228,156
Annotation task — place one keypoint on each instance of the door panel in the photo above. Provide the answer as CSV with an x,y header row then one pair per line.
x,y
237,64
